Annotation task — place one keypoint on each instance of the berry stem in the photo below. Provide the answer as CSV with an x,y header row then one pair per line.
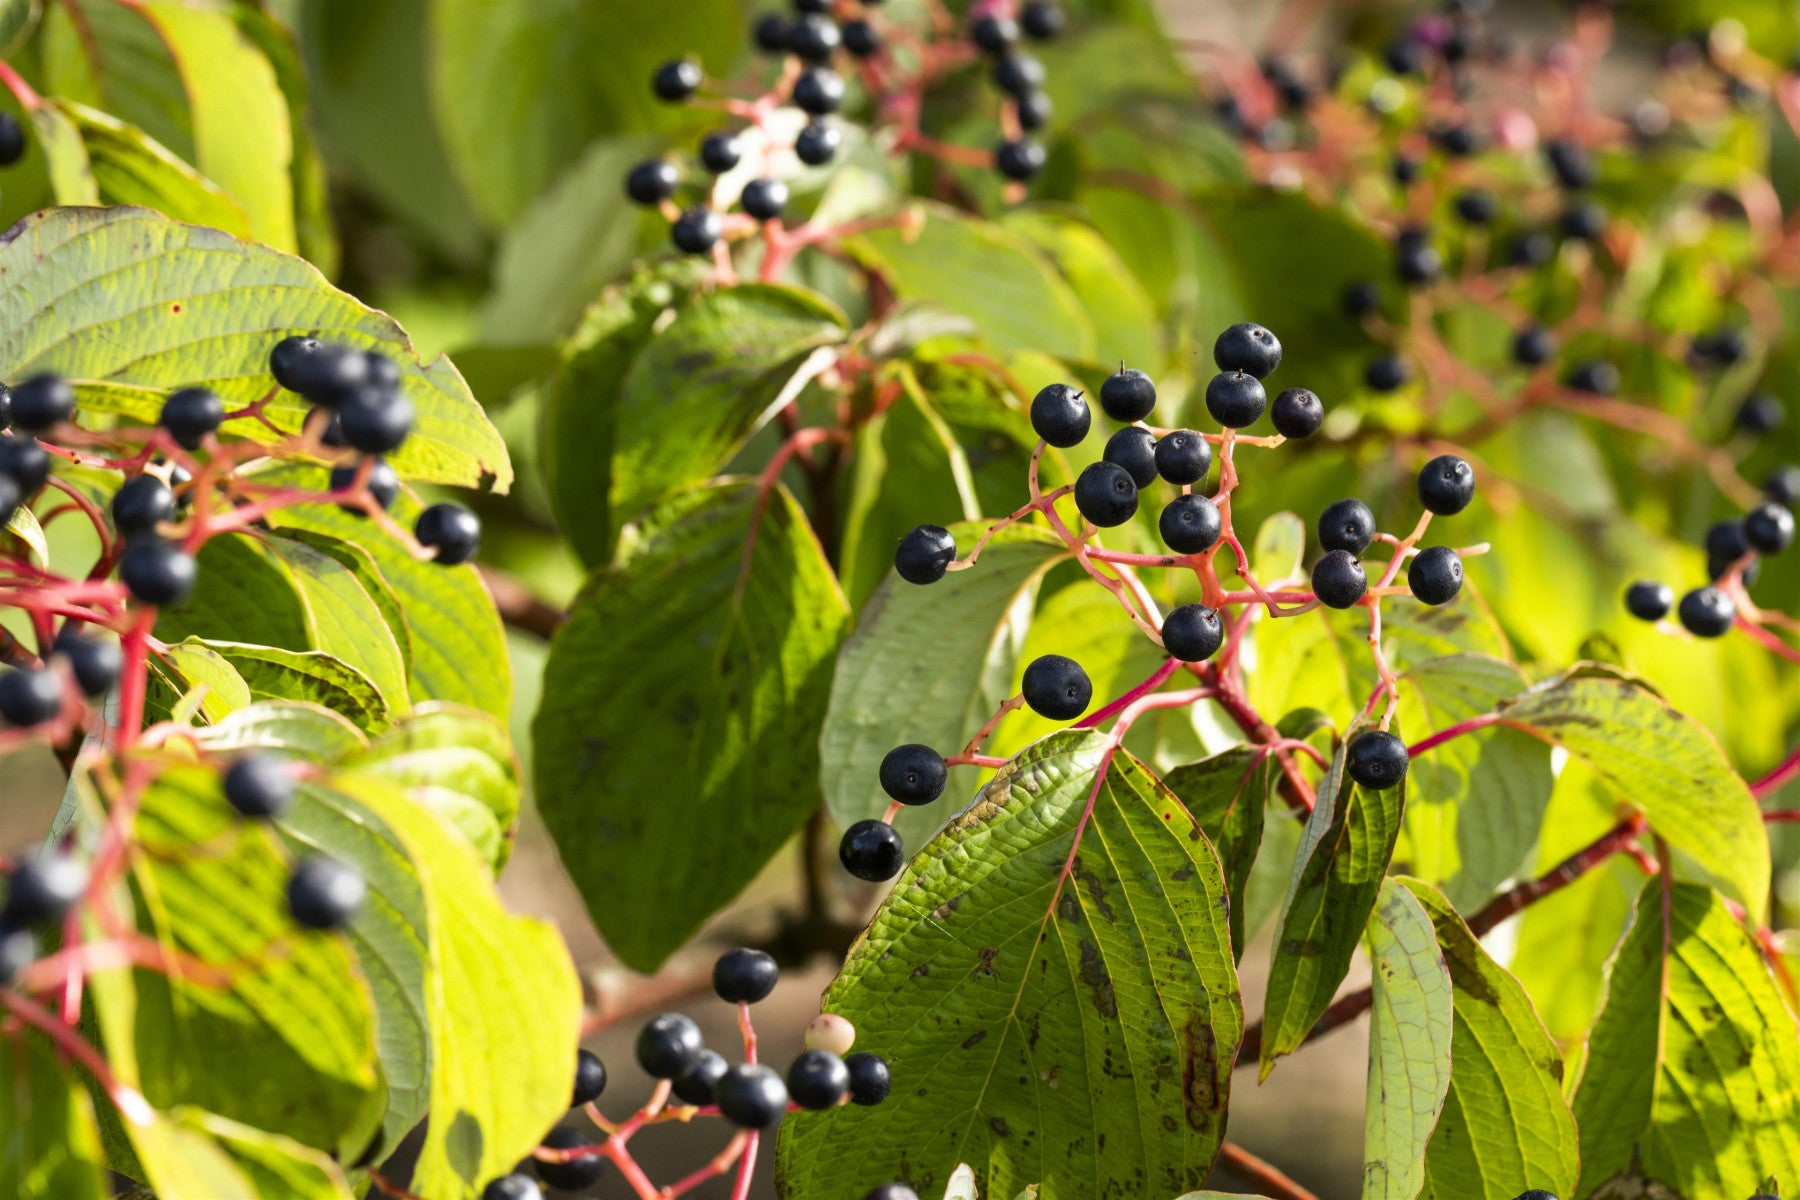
x,y
129,1101
1157,678
721,1163
969,755
746,1167
1452,731
748,1030
1620,837
1265,1176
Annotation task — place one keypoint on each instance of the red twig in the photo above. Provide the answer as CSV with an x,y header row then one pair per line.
x,y
1252,1169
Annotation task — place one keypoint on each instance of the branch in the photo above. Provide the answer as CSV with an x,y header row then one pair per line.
x,y
1251,1169
519,608
1558,877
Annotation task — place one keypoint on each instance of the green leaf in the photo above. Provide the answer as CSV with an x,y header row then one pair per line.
x,y
302,730
1410,1021
681,709
1692,1074
1124,320
274,1165
1476,802
1664,764
343,618
504,1005
311,676
191,680
928,665
1228,795
15,15
1077,1032
1505,1127
1344,853
288,1042
95,158
166,305
51,1148
23,526
997,279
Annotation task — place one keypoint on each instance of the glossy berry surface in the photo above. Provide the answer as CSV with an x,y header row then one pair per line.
x,y
818,91
451,530
1190,524
156,571
1418,263
141,504
1347,525
744,976
94,661
512,1187
1435,576
1249,348
1725,544
870,1078
1183,457
699,1083
676,80
860,38
1707,612
764,199
259,786
818,1079
1376,759
18,950
1192,633
771,33
913,774
1596,377
1297,413
697,230
1533,346
668,1045
872,850
1128,395
1783,485
829,1031
42,403
751,1096
1235,399
1339,580
1106,494
1035,110
994,33
817,143
652,181
719,152
40,890
190,414
1769,528
1362,299
24,461
1019,159
1760,413
29,695
12,140
1569,163
375,420
1446,485
1018,74
1134,449
1476,207
1060,416
382,484
324,893
1041,19
1649,599
590,1078
1057,687
1386,373
577,1174
814,37
925,554
1583,221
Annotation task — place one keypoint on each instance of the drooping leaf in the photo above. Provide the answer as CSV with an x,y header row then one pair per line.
x,y
1410,1021
22,526
1124,320
156,317
1076,1031
928,664
310,676
50,1149
677,738
302,730
1663,763
1692,1071
1228,795
190,680
274,1165
1344,853
1505,1126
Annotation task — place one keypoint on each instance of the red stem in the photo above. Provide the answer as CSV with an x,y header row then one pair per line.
x,y
1251,1169
1618,838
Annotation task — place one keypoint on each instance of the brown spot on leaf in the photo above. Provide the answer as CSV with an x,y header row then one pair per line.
x,y
1200,1092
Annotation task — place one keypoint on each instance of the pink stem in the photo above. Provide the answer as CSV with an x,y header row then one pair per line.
x,y
1157,678
1457,730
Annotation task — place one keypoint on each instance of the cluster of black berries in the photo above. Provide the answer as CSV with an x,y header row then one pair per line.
x,y
1020,78
1708,611
749,1095
32,696
39,892
323,893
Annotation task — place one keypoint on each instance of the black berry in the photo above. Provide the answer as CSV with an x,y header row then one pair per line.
x,y
699,1083
676,80
1570,164
1248,348
1134,448
1596,377
1769,528
765,199
1760,413
324,893
577,1174
383,483
1477,207
872,850
772,33
1106,494
861,39
1190,524
1362,299
1403,57
1128,395
1339,580
1532,249
870,1079
42,403
1018,74
512,1187
18,950
1347,525
1041,19
9,497
1386,372
1193,633
1458,141
190,414
1060,416
751,1096
375,420
1057,687
24,461
817,143
1417,262
912,774
993,33
590,1078
156,571
1436,575
696,230
1707,612
1019,160
1446,485
1533,346
141,504
744,976
298,364
651,181
1649,599
1183,457
12,140
1376,759
1725,544
1582,221
1297,413
259,786
1035,110
818,91
1404,169
95,662
29,695
814,37
818,1079
451,530
1235,399
668,1045
719,152
40,890
1720,348
1782,486
925,554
